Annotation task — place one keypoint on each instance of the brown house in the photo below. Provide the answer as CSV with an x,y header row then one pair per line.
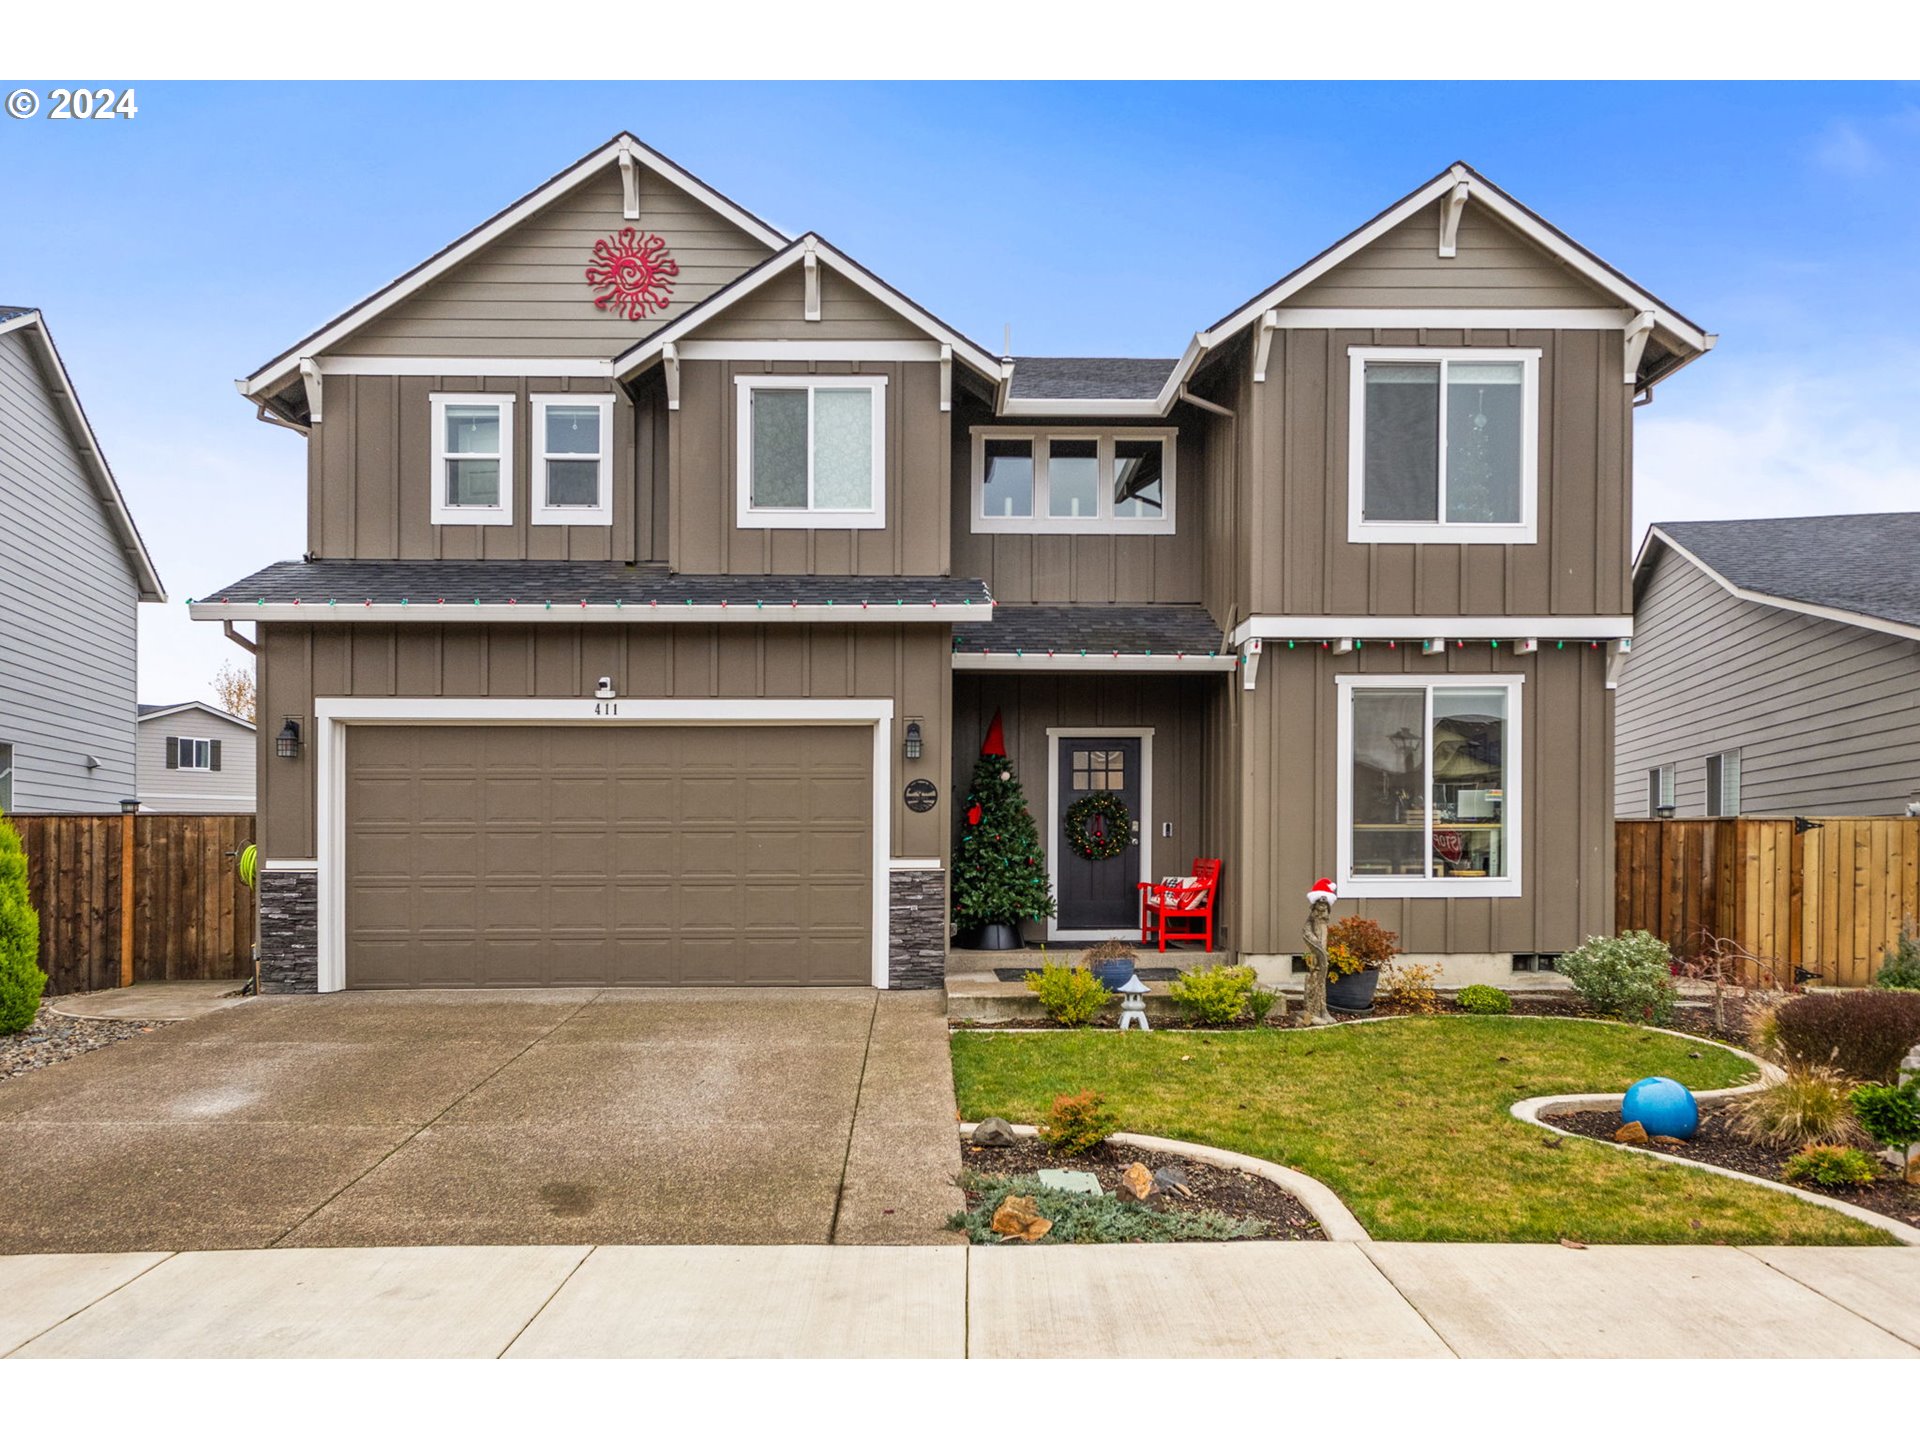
x,y
654,554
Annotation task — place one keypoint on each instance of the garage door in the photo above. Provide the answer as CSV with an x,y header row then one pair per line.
x,y
608,855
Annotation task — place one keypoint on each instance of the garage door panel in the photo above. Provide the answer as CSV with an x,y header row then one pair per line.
x,y
625,855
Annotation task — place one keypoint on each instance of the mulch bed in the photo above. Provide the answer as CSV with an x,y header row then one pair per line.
x,y
1230,1192
1717,1145
52,1038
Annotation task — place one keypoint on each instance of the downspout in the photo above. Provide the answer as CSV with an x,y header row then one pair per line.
x,y
252,647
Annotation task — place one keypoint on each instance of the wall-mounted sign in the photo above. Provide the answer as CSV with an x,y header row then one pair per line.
x,y
922,795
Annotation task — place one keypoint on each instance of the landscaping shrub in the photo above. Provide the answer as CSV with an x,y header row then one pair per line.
x,y
21,978
1357,943
1069,994
1216,995
1077,1123
1411,988
1109,950
1862,1032
1629,976
1900,966
1485,1000
1763,1030
1891,1115
1812,1106
1260,1003
1831,1165
1091,1219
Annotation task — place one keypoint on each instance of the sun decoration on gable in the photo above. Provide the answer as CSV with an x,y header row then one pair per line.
x,y
633,272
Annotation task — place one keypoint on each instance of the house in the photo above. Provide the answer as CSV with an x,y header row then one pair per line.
x,y
195,759
1775,669
73,571
665,572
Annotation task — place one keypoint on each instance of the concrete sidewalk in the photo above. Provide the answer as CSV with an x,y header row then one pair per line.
x,y
1256,1299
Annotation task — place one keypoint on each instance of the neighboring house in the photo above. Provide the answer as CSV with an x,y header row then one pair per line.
x,y
666,571
1775,669
195,759
73,571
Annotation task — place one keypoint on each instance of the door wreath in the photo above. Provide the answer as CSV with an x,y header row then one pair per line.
x,y
1099,826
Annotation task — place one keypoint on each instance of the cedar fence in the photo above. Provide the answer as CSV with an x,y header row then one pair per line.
x,y
192,918
1823,902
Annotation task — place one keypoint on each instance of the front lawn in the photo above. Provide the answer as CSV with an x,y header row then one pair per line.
x,y
1408,1122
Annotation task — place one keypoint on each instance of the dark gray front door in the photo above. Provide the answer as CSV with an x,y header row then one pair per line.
x,y
1098,894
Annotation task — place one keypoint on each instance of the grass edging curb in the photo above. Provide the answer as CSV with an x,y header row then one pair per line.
x,y
1337,1222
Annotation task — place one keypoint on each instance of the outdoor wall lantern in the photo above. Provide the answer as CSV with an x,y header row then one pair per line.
x,y
913,740
1665,812
287,743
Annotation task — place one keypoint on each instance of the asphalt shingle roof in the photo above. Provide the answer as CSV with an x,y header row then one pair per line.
x,y
1096,629
1868,564
14,312
534,582
1067,377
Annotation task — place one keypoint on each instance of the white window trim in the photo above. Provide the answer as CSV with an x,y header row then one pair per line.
x,y
1055,734
1103,523
1512,807
750,518
1719,760
1361,531
180,743
1662,787
599,513
444,514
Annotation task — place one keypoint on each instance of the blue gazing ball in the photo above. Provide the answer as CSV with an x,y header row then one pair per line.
x,y
1663,1107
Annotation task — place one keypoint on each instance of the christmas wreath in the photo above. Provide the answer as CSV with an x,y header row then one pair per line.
x,y
1099,826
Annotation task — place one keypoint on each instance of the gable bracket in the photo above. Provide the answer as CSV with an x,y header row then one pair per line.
x,y
1637,335
812,263
1249,663
946,377
670,361
1263,346
310,374
1451,209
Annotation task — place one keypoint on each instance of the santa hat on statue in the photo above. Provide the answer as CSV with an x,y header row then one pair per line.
x,y
1322,890
996,741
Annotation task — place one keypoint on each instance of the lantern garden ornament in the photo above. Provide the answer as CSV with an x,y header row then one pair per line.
x,y
1133,1004
634,273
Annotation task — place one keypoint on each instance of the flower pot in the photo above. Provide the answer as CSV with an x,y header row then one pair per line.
x,y
1114,973
997,937
1353,993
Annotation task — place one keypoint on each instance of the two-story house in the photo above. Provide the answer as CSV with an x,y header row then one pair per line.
x,y
665,572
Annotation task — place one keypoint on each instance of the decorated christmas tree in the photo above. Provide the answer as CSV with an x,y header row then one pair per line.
x,y
999,869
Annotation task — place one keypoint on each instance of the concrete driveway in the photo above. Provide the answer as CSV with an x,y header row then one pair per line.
x,y
494,1118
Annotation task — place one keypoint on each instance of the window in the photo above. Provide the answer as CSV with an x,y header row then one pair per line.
x,y
1659,789
1723,783
1443,446
186,753
1099,769
573,472
1429,800
6,779
812,451
472,459
1057,482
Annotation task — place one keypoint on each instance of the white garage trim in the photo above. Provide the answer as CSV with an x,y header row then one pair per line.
x,y
334,714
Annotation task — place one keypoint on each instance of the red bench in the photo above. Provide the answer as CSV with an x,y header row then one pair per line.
x,y
1180,912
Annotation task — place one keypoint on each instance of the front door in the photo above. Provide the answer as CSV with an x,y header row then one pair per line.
x,y
1097,894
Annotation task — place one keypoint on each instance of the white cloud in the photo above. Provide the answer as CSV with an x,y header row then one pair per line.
x,y
1845,149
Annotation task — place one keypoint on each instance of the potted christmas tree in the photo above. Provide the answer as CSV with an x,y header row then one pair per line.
x,y
999,869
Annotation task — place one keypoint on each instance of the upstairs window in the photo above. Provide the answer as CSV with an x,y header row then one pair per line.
x,y
1723,783
812,452
1072,481
573,472
187,753
1442,446
472,459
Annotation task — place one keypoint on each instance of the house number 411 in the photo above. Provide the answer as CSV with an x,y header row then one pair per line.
x,y
606,707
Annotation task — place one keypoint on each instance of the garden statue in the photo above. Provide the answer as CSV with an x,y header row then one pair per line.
x,y
1320,900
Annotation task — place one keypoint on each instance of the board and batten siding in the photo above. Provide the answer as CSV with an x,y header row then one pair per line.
x,y
226,791
526,294
1301,560
1823,713
908,664
68,603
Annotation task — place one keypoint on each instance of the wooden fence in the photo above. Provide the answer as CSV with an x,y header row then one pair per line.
x,y
1826,900
192,918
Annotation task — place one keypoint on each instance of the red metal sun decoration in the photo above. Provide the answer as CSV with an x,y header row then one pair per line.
x,y
633,272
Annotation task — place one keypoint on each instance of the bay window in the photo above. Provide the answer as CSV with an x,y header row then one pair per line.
x,y
472,459
812,451
1429,785
573,466
1072,481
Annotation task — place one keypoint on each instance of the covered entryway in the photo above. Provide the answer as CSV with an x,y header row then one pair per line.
x,y
621,854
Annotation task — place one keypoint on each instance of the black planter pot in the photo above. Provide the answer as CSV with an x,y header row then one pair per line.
x,y
995,937
1353,993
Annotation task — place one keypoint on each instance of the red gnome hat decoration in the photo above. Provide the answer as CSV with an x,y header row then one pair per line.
x,y
996,741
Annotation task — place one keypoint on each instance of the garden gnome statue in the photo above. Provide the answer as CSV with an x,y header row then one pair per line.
x,y
1320,900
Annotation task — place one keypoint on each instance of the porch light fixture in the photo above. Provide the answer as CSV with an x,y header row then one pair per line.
x,y
287,743
1408,744
913,740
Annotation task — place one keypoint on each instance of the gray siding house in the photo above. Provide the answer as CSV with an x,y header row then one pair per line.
x,y
1775,669
73,571
195,759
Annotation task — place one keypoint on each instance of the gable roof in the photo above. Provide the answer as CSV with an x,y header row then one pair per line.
x,y
1073,377
31,324
1857,569
157,712
284,366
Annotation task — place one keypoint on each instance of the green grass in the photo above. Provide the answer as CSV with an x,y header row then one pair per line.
x,y
1408,1122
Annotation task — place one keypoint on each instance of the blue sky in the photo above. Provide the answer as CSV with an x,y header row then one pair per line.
x,y
176,250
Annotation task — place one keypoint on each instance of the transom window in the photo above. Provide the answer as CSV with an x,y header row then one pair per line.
x,y
1099,769
1070,480
1429,785
472,459
573,473
1443,446
812,451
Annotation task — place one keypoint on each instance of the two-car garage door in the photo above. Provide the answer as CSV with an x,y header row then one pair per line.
x,y
523,855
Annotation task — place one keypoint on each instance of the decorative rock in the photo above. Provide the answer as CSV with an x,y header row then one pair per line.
x,y
1019,1218
1074,1182
1136,1183
1631,1131
993,1131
